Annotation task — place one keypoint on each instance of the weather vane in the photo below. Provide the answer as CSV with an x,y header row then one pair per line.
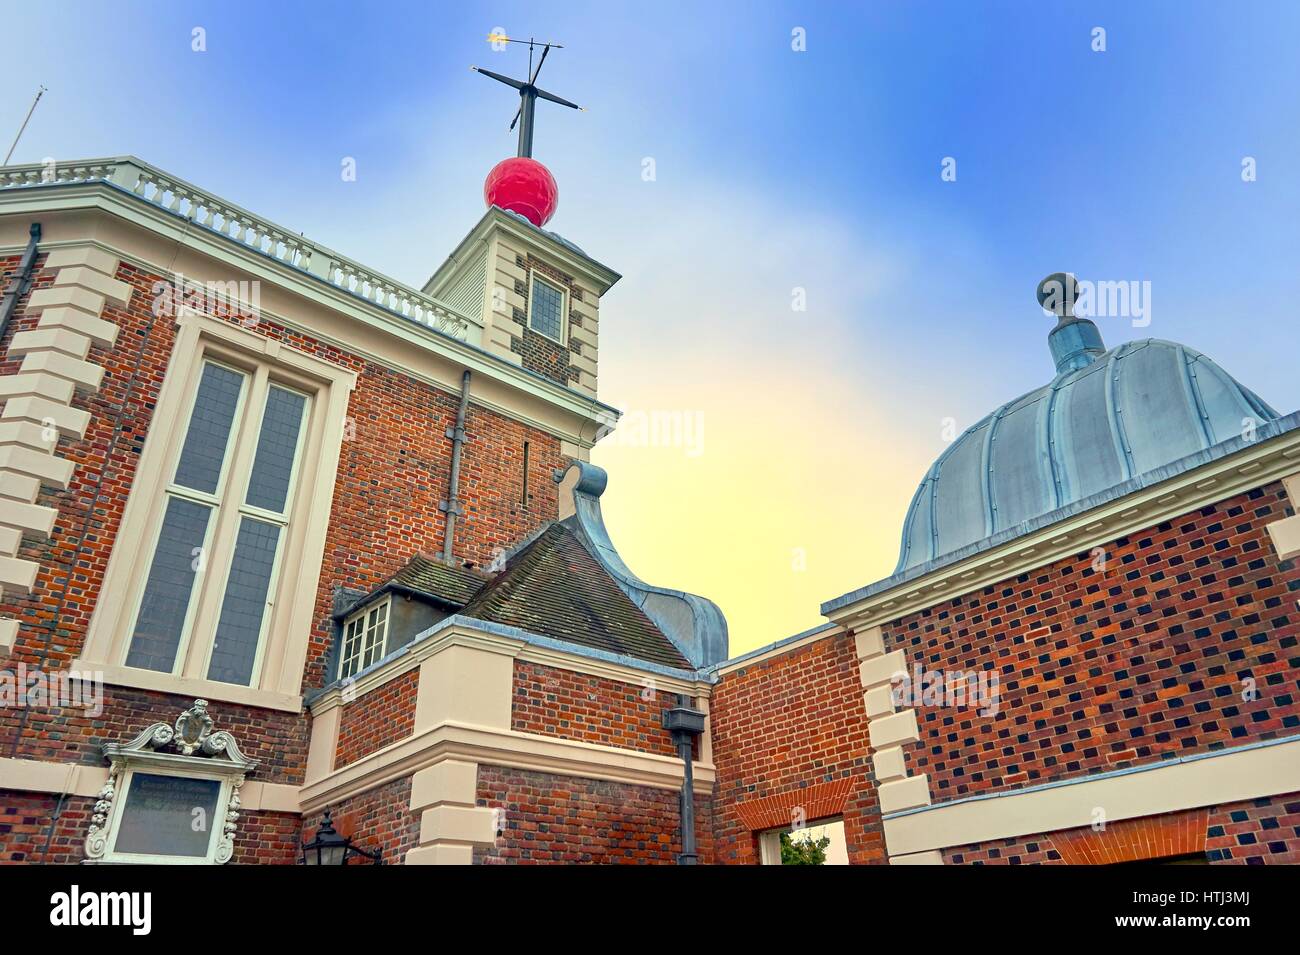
x,y
529,93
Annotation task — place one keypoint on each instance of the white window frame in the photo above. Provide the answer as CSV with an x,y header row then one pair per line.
x,y
228,507
373,608
276,682
564,309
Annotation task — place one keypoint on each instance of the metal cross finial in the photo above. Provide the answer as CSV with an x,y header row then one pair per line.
x,y
529,93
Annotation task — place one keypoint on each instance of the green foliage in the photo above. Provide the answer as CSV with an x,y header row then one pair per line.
x,y
804,850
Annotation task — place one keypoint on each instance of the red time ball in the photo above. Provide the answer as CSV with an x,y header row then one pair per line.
x,y
524,186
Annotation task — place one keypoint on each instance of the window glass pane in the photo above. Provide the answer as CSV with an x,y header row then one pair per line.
x,y
269,486
376,626
352,647
162,813
235,646
545,314
209,428
168,587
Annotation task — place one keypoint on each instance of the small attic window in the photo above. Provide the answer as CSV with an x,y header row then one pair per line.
x,y
546,309
363,638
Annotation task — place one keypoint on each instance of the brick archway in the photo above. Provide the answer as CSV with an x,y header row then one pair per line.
x,y
806,804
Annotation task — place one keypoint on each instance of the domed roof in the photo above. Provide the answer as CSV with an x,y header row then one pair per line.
x,y
1107,417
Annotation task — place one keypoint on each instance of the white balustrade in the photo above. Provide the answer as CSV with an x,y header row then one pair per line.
x,y
204,209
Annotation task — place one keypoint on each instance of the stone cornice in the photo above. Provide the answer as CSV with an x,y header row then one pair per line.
x,y
110,199
496,747
534,238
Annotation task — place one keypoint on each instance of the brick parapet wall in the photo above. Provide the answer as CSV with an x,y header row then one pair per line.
x,y
1144,660
550,818
784,728
384,715
554,702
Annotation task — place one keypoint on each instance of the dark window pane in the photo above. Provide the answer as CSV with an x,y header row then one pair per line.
x,y
168,816
169,586
269,486
545,315
209,428
352,646
244,605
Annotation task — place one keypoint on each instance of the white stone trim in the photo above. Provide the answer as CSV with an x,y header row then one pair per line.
x,y
1285,533
1213,779
451,823
888,727
497,747
76,779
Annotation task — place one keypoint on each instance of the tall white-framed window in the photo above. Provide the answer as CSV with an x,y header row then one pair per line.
x,y
234,488
225,515
364,636
546,309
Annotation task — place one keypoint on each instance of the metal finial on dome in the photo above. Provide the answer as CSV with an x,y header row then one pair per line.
x,y
1057,294
1075,342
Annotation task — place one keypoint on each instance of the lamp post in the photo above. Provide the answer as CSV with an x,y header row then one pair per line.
x,y
685,724
331,848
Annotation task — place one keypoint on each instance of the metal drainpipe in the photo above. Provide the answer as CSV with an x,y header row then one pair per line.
x,y
457,434
22,281
685,723
689,855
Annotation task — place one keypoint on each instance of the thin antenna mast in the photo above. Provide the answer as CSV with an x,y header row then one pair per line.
x,y
39,93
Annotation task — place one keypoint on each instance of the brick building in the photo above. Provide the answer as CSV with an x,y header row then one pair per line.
x,y
280,535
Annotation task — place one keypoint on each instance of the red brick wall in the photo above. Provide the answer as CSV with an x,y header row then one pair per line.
x,y
382,716
378,819
566,819
391,477
278,740
782,726
268,838
554,702
25,827
1254,832
1101,671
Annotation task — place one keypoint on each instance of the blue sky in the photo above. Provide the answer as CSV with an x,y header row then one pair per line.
x,y
775,169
